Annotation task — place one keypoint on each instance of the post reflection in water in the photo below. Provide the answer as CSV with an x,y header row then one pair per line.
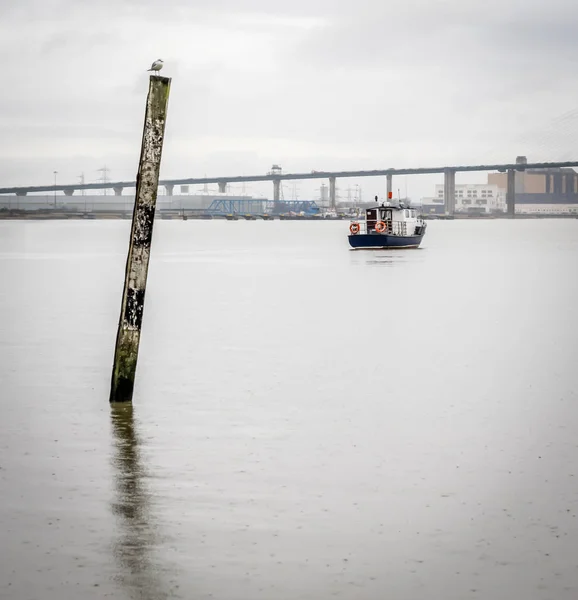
x,y
137,535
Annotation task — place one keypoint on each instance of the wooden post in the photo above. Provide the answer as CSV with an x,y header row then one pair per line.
x,y
135,279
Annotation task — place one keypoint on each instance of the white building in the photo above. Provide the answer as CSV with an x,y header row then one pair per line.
x,y
471,197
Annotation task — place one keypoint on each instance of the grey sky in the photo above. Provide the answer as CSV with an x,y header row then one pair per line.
x,y
308,84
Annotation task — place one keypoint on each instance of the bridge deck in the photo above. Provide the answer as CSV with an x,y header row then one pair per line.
x,y
285,176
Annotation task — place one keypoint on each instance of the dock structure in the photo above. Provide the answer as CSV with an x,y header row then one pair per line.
x,y
132,307
253,206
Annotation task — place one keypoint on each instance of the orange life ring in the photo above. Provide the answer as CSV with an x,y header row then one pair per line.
x,y
380,227
354,228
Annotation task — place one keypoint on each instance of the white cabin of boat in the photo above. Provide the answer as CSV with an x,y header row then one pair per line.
x,y
398,220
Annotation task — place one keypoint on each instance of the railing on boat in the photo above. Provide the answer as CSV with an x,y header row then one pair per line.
x,y
391,227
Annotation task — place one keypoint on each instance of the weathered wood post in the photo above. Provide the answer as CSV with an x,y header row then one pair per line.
x,y
135,279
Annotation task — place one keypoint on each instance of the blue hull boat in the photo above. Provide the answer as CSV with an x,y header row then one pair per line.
x,y
387,226
377,240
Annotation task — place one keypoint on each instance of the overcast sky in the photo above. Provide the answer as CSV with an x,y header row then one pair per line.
x,y
307,84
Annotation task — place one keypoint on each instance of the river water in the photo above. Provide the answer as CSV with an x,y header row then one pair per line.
x,y
308,422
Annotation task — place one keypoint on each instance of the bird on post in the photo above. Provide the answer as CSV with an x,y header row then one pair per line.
x,y
156,66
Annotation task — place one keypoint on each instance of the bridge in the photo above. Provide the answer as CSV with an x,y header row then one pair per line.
x,y
276,176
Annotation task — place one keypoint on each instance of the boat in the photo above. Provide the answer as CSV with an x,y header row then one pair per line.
x,y
387,226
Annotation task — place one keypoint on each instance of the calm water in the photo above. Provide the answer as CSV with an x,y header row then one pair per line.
x,y
308,422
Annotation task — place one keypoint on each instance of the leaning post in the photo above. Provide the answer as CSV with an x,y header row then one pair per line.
x,y
135,279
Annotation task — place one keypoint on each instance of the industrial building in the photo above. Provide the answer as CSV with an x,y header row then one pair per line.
x,y
542,191
111,203
122,205
537,191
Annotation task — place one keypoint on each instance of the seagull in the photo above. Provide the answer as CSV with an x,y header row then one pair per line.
x,y
156,66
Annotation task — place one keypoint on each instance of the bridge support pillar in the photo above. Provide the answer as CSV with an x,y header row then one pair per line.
x,y
511,193
21,193
276,190
332,195
222,187
449,191
68,192
389,186
117,191
169,189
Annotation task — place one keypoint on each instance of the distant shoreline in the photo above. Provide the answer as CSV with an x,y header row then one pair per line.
x,y
15,215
